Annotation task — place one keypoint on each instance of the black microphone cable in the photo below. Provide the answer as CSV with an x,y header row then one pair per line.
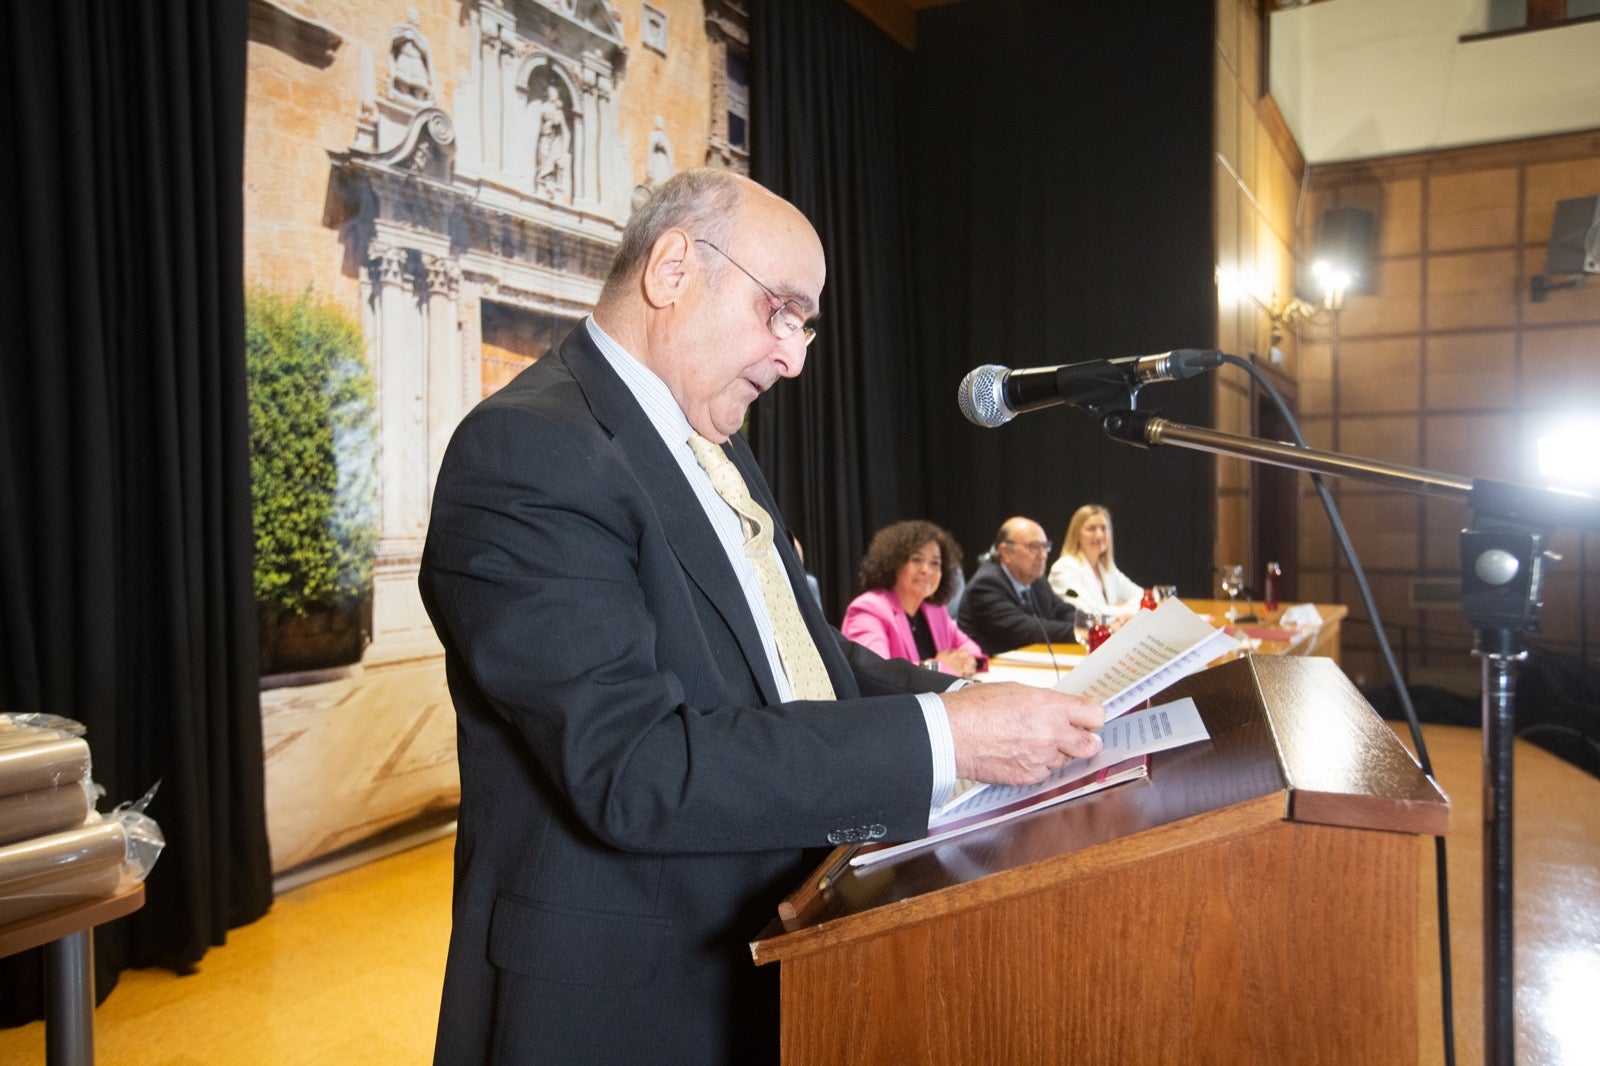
x,y
1439,850
1049,646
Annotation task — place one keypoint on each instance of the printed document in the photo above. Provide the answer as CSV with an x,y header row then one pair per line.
x,y
1128,743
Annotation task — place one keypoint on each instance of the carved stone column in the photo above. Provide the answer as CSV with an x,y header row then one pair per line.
x,y
400,628
469,311
445,386
401,399
499,29
587,168
615,182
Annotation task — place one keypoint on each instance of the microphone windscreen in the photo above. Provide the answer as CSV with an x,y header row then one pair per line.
x,y
981,399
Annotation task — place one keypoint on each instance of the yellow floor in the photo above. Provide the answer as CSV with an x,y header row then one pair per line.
x,y
343,971
1556,888
347,970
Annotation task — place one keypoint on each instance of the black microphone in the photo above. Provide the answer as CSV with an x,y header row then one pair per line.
x,y
993,395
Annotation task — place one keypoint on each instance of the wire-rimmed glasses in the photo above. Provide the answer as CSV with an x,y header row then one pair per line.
x,y
785,320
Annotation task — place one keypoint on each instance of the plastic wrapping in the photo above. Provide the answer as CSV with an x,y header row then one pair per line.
x,y
107,854
45,777
45,810
52,871
144,838
55,850
21,725
43,762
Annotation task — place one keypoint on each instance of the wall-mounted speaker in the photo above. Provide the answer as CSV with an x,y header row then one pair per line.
x,y
1347,240
1574,246
1343,257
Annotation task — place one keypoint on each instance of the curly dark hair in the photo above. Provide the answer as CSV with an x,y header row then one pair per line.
x,y
892,545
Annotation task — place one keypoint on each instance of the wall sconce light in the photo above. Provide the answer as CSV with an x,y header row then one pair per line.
x,y
1341,262
1288,317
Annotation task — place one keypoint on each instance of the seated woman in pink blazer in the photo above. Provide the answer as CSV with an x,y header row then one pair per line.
x,y
909,573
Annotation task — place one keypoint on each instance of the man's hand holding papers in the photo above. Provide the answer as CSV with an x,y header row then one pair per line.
x,y
1152,651
1128,744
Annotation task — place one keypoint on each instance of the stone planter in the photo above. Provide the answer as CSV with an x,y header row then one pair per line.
x,y
323,637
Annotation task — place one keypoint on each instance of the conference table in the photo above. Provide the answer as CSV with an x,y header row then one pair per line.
x,y
1265,631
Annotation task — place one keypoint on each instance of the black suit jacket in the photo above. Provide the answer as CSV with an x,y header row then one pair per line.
x,y
634,799
992,614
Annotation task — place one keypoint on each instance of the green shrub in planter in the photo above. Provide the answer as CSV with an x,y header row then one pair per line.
x,y
313,455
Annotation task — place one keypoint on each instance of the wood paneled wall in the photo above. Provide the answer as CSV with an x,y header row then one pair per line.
x,y
1256,181
1449,365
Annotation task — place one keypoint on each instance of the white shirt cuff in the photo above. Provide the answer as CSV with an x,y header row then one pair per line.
x,y
943,747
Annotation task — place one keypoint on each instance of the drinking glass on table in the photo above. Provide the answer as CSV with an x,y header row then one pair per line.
x,y
1082,621
1232,576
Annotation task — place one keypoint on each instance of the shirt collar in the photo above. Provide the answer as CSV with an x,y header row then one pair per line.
x,y
652,393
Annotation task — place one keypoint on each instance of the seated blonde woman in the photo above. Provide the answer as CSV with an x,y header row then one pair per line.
x,y
1086,573
907,576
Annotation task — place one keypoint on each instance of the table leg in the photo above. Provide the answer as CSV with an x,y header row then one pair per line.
x,y
69,1003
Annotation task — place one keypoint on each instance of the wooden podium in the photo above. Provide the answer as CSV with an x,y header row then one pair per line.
x,y
1255,900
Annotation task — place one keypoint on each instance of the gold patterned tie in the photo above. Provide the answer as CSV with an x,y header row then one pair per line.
x,y
801,661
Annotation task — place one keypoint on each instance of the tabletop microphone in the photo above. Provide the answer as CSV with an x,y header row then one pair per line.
x,y
993,395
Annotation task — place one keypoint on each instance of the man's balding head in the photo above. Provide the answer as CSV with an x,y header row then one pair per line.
x,y
1022,549
705,269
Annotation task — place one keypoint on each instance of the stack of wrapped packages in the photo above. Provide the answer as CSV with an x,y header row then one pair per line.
x,y
56,850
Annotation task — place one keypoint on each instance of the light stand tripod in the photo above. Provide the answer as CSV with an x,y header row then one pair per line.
x,y
1502,556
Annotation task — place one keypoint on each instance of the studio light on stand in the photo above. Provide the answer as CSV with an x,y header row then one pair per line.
x,y
1503,560
1566,455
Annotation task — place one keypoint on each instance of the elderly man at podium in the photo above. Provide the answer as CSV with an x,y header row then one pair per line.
x,y
655,722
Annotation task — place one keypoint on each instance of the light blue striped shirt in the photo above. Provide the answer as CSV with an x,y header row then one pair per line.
x,y
669,421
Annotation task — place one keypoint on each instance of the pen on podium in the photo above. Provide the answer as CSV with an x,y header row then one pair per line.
x,y
837,867
799,906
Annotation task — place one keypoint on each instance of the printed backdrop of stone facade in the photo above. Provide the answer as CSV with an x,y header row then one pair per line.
x,y
456,174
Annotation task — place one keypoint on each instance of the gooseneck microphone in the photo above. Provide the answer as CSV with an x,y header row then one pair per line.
x,y
1049,645
993,395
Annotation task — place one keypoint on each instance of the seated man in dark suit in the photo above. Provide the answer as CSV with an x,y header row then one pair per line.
x,y
654,720
1008,602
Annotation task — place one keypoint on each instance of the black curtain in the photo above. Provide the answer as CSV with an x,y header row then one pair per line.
x,y
828,129
1063,156
125,541
1031,186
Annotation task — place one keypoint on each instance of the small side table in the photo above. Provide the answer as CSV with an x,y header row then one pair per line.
x,y
68,938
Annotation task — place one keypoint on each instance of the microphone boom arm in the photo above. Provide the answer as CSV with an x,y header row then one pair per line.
x,y
1496,501
1145,429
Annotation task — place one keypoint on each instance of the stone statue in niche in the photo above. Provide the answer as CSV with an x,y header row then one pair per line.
x,y
552,154
659,166
410,76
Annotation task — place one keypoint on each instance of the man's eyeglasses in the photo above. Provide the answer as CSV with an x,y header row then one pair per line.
x,y
1042,546
785,321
